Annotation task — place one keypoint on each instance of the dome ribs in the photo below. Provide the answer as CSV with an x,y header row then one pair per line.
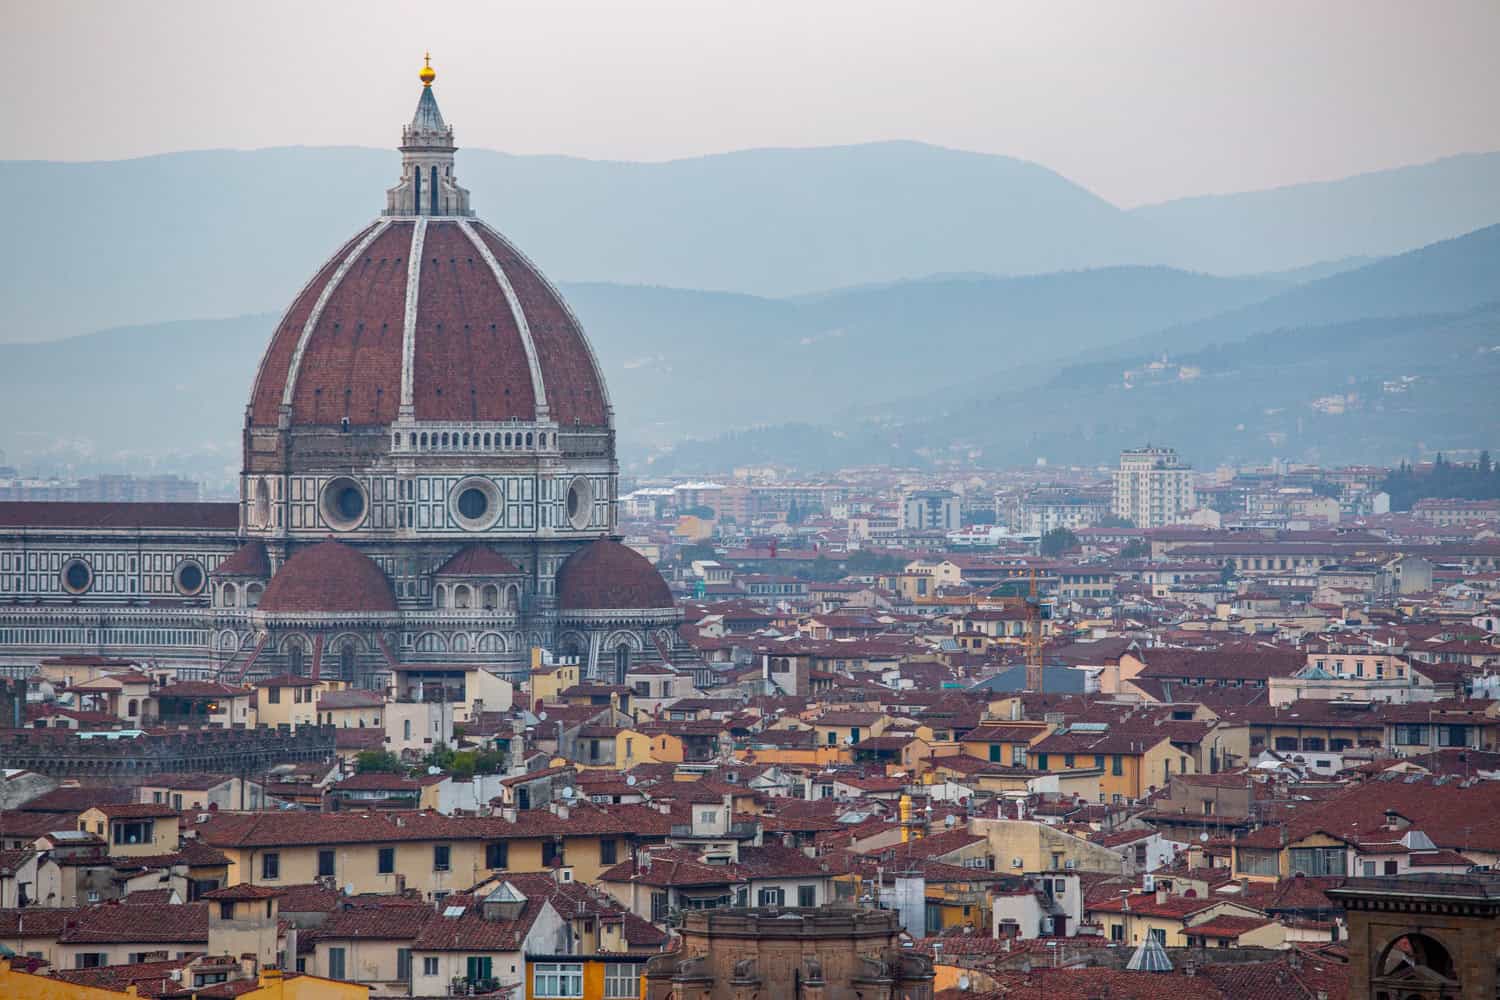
x,y
275,365
461,370
344,369
573,382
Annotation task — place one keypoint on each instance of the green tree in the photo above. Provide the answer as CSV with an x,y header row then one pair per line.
x,y
1111,521
376,762
1057,541
1135,549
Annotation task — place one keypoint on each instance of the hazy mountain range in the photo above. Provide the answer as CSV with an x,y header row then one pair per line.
x,y
824,340
223,233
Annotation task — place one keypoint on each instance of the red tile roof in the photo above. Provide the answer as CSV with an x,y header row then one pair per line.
x,y
477,560
606,575
108,923
99,515
249,560
329,577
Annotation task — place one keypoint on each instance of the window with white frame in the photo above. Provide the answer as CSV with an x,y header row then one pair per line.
x,y
557,979
622,981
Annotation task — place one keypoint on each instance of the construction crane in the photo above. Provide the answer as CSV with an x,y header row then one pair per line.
x,y
1036,611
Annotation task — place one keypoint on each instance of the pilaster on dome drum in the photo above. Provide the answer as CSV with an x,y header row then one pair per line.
x,y
409,320
317,311
538,387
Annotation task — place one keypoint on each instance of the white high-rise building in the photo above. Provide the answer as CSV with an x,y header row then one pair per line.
x,y
1152,487
931,510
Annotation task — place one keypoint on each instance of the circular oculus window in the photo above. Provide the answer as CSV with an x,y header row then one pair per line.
x,y
580,502
189,578
343,504
77,576
475,504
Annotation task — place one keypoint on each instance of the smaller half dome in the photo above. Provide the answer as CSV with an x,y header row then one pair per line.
x,y
329,576
605,575
477,560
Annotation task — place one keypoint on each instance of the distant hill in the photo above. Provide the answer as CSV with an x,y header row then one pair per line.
x,y
1378,213
1260,380
221,233
226,232
679,363
1450,276
1373,390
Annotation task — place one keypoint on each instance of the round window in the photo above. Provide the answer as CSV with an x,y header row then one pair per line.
x,y
580,503
343,503
189,578
475,503
77,576
472,503
350,503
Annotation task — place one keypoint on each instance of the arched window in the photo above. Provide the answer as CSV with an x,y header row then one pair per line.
x,y
131,708
461,597
491,598
416,199
622,662
294,656
486,441
507,439
440,596
230,596
1415,958
528,440
252,595
260,514
346,660
434,190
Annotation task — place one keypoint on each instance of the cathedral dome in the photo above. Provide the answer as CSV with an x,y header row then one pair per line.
x,y
437,320
605,575
427,315
329,576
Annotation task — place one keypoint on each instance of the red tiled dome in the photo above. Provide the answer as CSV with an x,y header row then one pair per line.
x,y
477,560
329,576
606,575
480,350
249,559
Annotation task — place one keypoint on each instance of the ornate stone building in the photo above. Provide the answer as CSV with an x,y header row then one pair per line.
x,y
830,953
429,481
1423,937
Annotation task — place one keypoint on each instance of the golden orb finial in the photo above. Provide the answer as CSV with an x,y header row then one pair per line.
x,y
428,74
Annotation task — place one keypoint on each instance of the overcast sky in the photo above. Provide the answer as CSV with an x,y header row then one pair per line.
x,y
1138,101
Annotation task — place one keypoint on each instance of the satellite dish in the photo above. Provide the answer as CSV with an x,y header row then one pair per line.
x,y
542,716
567,792
1203,837
348,888
434,769
964,982
949,820
630,780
